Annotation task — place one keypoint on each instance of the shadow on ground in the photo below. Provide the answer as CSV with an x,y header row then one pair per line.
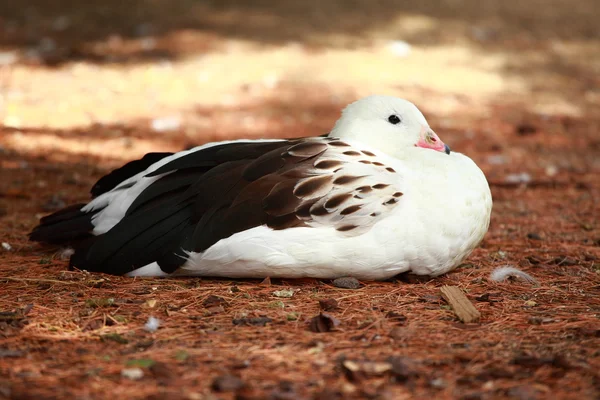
x,y
68,30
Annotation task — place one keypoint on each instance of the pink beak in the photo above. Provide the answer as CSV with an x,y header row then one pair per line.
x,y
428,139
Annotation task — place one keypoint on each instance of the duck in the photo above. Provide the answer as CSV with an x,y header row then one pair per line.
x,y
379,195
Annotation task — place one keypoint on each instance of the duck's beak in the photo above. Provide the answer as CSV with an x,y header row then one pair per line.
x,y
428,139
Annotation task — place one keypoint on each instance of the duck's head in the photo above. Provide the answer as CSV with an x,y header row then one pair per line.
x,y
389,124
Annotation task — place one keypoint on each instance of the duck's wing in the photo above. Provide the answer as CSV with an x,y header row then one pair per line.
x,y
190,200
113,179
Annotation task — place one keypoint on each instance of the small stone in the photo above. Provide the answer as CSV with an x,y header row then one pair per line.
x,y
346,283
6,246
132,373
530,303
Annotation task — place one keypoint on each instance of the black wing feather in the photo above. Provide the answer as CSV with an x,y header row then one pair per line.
x,y
135,241
216,155
65,226
112,180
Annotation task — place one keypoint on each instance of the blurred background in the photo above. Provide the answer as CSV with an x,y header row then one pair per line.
x,y
111,80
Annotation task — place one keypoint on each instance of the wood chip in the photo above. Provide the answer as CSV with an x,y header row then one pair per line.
x,y
462,306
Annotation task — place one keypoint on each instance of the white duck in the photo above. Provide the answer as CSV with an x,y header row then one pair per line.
x,y
380,195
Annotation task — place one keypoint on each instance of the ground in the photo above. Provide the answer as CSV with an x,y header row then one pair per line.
x,y
86,86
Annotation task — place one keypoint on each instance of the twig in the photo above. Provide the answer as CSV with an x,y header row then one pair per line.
x,y
6,278
463,308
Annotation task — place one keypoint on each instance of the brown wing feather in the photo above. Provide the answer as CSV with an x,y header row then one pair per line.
x,y
307,182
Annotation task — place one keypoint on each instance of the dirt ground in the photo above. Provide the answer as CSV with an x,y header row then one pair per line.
x,y
86,86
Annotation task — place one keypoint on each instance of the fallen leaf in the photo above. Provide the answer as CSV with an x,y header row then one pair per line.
x,y
323,323
285,293
328,304
151,303
266,282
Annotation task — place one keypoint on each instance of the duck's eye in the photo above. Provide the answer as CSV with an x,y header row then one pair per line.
x,y
394,119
